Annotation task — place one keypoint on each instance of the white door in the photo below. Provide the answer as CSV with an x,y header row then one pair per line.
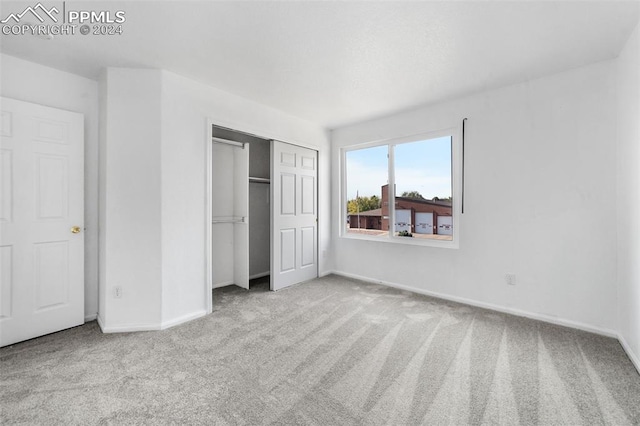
x,y
445,225
241,212
294,227
42,219
230,211
403,220
424,223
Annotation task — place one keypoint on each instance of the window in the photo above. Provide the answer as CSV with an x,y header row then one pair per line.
x,y
422,208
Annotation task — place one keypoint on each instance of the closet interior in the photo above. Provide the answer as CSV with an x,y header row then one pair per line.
x,y
241,196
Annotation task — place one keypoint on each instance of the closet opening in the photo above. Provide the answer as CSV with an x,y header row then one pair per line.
x,y
261,210
241,248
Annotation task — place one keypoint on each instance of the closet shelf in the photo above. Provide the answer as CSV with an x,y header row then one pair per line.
x,y
259,180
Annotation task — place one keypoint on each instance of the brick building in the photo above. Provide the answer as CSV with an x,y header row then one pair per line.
x,y
412,215
370,219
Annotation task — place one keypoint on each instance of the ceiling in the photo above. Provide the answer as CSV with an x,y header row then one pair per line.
x,y
338,62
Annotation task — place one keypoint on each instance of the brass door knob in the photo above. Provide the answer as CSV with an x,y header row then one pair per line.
x,y
75,229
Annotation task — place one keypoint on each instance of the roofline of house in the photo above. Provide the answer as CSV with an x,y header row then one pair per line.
x,y
417,200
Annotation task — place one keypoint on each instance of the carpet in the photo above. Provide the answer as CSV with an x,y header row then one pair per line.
x,y
332,351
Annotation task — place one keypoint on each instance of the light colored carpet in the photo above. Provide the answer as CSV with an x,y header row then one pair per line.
x,y
332,351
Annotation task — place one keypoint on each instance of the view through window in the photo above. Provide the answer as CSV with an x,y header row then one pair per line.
x,y
421,172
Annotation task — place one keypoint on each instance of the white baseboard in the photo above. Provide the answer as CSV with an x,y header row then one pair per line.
x,y
100,322
92,317
485,305
635,360
185,318
325,273
222,284
127,328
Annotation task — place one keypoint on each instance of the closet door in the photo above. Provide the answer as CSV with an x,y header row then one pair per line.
x,y
241,209
294,227
230,211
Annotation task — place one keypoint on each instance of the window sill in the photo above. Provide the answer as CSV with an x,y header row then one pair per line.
x,y
385,239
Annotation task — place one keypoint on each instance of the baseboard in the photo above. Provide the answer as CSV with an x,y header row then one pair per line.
x,y
222,284
100,322
92,317
127,328
182,319
632,356
517,312
325,273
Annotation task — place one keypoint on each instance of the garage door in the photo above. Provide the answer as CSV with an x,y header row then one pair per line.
x,y
445,225
403,220
424,223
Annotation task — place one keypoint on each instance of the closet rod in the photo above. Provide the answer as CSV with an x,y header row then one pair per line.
x,y
259,180
228,142
238,220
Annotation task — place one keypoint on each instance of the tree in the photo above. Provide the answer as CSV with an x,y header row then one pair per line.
x,y
442,199
412,194
363,204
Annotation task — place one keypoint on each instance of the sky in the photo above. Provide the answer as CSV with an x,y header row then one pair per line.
x,y
423,166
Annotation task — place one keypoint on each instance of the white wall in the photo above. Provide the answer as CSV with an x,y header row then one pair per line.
x,y
153,175
186,105
539,203
30,82
130,208
628,178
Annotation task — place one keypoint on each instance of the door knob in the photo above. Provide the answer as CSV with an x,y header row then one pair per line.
x,y
75,229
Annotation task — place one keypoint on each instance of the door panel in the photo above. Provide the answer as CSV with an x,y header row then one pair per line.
x,y
6,196
7,120
288,159
287,250
308,163
52,131
52,187
42,261
6,281
308,194
52,278
308,246
294,222
288,191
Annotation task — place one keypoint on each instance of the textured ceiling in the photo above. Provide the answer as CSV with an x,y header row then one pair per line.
x,y
335,63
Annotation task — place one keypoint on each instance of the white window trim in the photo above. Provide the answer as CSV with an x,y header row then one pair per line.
x,y
456,184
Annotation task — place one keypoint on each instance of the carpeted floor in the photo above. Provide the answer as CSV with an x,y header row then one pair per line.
x,y
332,351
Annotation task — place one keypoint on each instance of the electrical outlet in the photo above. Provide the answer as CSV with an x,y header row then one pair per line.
x,y
117,292
510,279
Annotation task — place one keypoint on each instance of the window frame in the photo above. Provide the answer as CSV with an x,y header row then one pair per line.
x,y
456,187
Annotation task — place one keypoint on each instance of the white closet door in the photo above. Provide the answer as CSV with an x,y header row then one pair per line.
x,y
230,211
41,220
241,209
294,215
